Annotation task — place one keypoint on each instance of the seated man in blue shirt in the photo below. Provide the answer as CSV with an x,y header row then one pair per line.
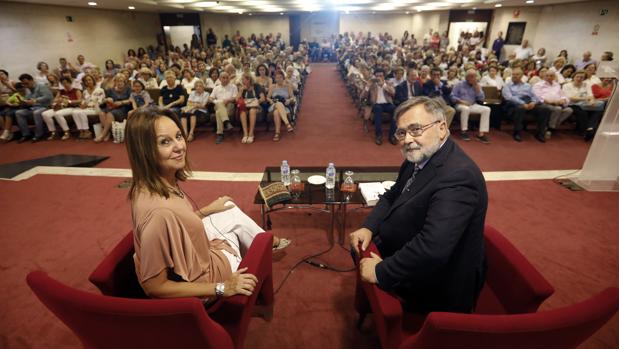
x,y
437,88
467,96
520,100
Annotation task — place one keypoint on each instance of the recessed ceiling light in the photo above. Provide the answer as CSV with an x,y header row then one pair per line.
x,y
132,7
407,12
530,1
250,14
281,13
92,3
498,5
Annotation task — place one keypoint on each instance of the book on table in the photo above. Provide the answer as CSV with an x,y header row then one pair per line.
x,y
371,192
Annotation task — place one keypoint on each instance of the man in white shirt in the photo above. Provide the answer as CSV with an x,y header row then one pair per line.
x,y
586,60
550,93
525,51
224,98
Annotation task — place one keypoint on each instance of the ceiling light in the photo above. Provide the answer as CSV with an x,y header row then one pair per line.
x,y
407,12
351,2
498,5
92,3
205,4
530,1
348,8
131,7
250,14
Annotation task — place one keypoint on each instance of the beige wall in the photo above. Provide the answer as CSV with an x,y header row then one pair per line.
x,y
566,26
319,25
32,33
229,23
395,24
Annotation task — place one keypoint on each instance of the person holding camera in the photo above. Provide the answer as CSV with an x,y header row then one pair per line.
x,y
381,98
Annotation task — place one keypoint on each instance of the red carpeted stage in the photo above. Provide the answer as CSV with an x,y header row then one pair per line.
x,y
64,225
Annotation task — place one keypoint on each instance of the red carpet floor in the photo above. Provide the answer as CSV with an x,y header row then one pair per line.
x,y
64,225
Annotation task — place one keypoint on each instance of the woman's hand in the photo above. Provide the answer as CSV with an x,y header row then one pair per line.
x,y
240,283
216,206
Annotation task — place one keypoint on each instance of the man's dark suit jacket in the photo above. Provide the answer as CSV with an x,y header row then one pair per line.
x,y
431,237
401,91
432,91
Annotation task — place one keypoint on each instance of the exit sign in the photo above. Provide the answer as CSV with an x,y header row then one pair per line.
x,y
603,12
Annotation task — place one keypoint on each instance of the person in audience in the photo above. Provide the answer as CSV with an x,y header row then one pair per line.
x,y
37,101
409,88
92,98
224,98
586,60
549,92
40,76
189,80
110,70
539,76
211,38
146,78
380,96
563,53
556,67
7,87
566,74
172,94
492,78
497,45
131,56
65,65
520,100
587,109
196,107
182,250
139,97
64,104
212,80
398,76
117,105
429,226
424,74
437,88
53,83
539,58
604,90
467,96
592,79
281,98
452,77
10,105
75,83
82,65
252,96
524,51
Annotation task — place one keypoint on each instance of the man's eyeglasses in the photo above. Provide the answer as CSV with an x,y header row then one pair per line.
x,y
415,130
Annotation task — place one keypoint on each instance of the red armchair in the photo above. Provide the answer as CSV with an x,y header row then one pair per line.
x,y
506,314
124,318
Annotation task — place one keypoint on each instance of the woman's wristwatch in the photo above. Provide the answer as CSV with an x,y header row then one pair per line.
x,y
220,288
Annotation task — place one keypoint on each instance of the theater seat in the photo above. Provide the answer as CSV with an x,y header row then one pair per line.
x,y
123,316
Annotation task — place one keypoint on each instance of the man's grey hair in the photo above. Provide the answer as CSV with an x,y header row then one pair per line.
x,y
434,106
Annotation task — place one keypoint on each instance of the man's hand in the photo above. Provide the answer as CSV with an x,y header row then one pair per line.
x,y
363,236
367,268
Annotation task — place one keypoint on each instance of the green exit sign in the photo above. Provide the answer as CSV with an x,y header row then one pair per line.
x,y
603,12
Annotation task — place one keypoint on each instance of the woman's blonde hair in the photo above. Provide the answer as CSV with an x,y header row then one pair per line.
x,y
141,144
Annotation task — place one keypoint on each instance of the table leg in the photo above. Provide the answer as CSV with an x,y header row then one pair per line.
x,y
343,217
332,226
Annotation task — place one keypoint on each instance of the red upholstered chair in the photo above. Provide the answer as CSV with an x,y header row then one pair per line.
x,y
124,318
506,315
112,322
512,286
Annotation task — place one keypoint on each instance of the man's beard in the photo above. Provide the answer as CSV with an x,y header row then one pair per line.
x,y
417,154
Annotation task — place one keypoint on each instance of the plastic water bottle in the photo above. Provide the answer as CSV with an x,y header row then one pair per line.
x,y
285,172
330,175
